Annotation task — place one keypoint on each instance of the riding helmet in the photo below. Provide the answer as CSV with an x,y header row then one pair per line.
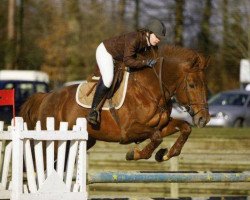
x,y
157,27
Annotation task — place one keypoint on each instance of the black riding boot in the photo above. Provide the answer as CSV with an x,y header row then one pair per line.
x,y
94,114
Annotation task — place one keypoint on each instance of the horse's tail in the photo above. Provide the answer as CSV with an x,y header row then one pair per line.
x,y
30,109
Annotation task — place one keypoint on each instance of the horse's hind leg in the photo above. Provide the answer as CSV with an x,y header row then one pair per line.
x,y
174,126
147,151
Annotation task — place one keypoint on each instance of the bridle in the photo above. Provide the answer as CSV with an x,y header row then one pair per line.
x,y
164,88
188,106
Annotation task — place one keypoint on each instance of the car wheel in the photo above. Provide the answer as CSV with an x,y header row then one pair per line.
x,y
245,124
238,123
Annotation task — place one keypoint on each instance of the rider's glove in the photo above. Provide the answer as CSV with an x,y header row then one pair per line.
x,y
150,63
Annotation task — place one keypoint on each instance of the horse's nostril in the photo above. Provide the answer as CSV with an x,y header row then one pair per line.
x,y
202,122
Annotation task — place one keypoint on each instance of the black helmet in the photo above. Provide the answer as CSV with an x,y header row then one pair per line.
x,y
157,27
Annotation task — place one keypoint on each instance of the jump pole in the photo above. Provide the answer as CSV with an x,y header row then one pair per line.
x,y
168,177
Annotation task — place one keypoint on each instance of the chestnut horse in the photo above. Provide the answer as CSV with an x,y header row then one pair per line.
x,y
145,114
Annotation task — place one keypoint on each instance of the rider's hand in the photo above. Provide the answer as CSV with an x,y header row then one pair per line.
x,y
151,62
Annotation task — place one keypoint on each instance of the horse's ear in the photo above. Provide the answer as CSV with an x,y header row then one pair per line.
x,y
200,62
203,62
197,63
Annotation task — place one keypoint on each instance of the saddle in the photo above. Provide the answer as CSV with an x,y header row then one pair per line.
x,y
116,95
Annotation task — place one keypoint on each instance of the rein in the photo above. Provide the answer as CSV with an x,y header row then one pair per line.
x,y
159,76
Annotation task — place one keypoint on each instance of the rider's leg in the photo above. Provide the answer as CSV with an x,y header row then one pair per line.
x,y
94,115
106,66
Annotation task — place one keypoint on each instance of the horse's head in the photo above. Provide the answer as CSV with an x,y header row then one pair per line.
x,y
191,91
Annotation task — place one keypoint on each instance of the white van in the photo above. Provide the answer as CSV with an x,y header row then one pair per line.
x,y
25,83
24,75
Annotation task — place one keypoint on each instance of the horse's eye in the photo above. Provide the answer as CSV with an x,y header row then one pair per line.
x,y
191,85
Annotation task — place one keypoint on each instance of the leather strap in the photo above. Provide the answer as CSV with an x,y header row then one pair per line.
x,y
160,81
159,76
113,111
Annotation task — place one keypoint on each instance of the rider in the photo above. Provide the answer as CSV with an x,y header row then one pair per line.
x,y
123,48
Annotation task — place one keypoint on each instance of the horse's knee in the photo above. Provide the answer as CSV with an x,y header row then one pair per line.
x,y
186,128
156,138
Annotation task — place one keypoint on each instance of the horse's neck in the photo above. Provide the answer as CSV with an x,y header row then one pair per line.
x,y
170,75
146,81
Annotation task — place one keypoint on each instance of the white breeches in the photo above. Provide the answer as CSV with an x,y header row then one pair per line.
x,y
105,64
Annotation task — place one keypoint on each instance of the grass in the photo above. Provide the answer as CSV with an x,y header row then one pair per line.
x,y
227,133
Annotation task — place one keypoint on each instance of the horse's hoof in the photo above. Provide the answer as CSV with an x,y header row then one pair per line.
x,y
160,155
130,155
166,157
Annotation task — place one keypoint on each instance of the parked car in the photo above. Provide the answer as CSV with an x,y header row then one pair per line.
x,y
230,109
25,83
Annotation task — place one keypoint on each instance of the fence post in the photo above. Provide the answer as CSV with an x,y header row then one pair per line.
x,y
29,163
174,187
17,160
61,151
50,125
71,160
2,144
39,157
82,154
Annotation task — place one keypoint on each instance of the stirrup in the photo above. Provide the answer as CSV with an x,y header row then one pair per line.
x,y
93,117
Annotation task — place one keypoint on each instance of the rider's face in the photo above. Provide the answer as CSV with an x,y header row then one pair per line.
x,y
153,39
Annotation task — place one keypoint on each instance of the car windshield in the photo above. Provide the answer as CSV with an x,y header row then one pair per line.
x,y
232,99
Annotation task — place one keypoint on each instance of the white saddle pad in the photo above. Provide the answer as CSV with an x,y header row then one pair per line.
x,y
86,90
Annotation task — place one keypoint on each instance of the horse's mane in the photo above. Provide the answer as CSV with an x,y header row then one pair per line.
x,y
182,54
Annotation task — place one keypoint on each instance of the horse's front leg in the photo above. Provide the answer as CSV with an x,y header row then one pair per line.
x,y
146,152
175,125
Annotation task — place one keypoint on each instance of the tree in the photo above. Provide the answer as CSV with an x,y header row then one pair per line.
x,y
56,43
137,14
233,47
121,9
10,50
204,36
207,47
3,28
20,36
73,18
179,22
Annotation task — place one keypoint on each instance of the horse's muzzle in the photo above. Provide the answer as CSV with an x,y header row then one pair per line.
x,y
201,117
